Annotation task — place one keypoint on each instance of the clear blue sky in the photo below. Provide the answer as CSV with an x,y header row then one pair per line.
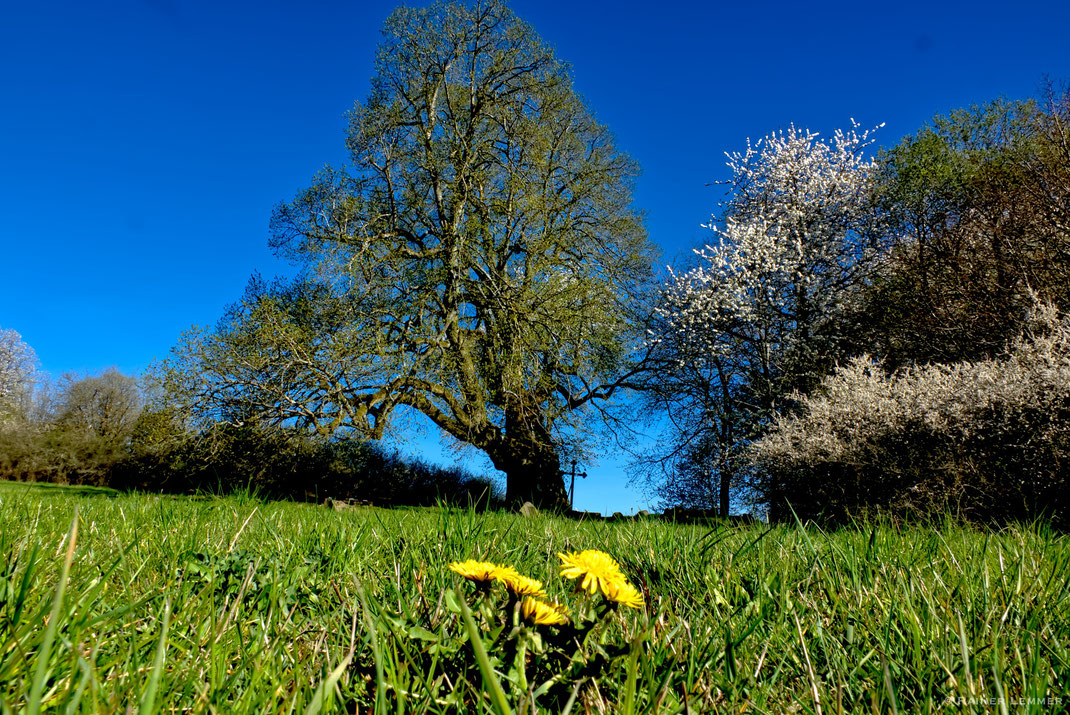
x,y
143,144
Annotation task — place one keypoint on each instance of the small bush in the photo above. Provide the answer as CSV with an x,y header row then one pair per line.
x,y
988,440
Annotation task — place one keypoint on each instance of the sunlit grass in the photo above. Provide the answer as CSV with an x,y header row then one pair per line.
x,y
166,604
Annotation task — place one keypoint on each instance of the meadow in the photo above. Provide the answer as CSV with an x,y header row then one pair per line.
x,y
123,603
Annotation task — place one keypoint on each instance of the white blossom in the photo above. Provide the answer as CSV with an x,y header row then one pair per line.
x,y
796,232
1019,402
18,370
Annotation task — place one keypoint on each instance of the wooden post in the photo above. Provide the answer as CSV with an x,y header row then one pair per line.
x,y
572,485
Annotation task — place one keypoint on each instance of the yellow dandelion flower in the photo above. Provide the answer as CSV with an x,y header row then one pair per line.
x,y
542,613
624,594
598,570
482,572
519,584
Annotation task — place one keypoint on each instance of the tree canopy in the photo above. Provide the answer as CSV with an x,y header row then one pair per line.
x,y
980,202
477,261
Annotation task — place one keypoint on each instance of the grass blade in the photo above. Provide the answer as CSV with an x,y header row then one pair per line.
x,y
319,699
44,653
148,699
497,695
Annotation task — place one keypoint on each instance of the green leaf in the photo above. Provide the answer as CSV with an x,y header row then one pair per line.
x,y
422,634
453,602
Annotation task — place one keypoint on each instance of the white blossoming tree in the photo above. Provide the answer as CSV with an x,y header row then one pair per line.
x,y
18,370
756,317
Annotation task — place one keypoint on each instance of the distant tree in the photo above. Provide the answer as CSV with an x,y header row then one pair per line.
x,y
88,429
18,373
104,407
476,263
761,314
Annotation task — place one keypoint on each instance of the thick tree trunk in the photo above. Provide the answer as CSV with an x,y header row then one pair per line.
x,y
725,493
527,454
533,473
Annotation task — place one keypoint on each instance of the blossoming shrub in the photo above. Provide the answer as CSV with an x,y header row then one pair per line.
x,y
989,440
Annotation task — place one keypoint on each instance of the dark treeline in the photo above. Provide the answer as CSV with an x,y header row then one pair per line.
x,y
289,464
98,430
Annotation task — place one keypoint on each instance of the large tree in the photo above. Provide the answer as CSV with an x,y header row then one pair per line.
x,y
477,260
980,200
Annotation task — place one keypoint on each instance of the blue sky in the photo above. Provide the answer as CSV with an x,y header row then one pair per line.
x,y
143,144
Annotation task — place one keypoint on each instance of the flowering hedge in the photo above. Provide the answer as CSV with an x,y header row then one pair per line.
x,y
988,439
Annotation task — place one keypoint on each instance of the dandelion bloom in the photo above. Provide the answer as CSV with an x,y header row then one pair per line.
x,y
542,613
518,584
482,572
597,569
624,594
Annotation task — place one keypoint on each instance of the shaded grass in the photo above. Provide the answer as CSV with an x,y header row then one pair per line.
x,y
234,605
8,487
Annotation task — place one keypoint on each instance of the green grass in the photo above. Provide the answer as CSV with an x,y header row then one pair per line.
x,y
162,604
